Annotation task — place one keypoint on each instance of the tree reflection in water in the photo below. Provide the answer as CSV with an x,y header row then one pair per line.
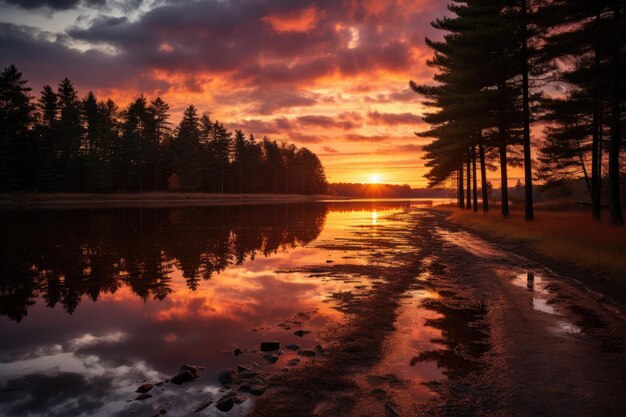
x,y
63,256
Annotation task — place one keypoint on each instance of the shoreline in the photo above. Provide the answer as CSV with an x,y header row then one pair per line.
x,y
155,199
165,199
603,280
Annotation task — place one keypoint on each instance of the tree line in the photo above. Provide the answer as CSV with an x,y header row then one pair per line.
x,y
505,66
62,143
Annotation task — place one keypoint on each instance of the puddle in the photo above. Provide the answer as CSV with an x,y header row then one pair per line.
x,y
537,285
470,243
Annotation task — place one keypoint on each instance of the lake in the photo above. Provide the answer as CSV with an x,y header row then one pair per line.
x,y
95,302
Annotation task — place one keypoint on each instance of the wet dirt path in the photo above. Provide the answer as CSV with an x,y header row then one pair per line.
x,y
452,325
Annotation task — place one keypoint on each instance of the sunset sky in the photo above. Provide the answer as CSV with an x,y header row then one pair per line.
x,y
331,75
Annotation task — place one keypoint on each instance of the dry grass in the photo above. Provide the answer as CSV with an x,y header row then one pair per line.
x,y
568,237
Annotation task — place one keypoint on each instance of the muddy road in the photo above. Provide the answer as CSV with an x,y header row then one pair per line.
x,y
452,325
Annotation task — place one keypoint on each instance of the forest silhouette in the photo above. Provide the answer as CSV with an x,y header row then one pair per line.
x,y
62,143
504,65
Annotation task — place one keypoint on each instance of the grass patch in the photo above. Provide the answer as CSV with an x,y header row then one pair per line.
x,y
569,237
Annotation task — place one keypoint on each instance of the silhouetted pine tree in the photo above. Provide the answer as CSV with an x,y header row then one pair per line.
x,y
16,117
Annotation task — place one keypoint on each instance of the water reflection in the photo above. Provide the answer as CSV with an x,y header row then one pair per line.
x,y
150,289
62,256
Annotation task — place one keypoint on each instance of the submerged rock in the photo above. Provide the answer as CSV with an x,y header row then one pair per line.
x,y
270,346
307,352
144,388
186,373
143,396
294,362
237,352
225,377
254,389
293,346
271,358
301,333
320,349
227,402
182,377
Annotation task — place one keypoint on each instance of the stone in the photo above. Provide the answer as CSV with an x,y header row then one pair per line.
x,y
237,352
307,352
228,400
320,349
143,396
257,389
190,368
244,368
271,358
225,376
294,362
293,346
270,346
142,389
225,404
181,377
301,333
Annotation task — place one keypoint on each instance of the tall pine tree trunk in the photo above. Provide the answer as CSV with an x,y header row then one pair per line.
x,y
483,173
502,134
474,181
528,179
596,159
461,192
614,170
469,182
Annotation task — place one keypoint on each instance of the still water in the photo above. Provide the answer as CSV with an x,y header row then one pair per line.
x,y
95,302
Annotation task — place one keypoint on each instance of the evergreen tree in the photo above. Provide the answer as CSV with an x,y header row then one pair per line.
x,y
16,117
70,135
49,176
186,150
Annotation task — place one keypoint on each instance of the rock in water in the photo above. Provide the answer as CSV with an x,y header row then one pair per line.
x,y
182,377
293,362
143,396
307,352
190,368
271,358
270,346
225,377
293,346
225,404
229,399
301,333
142,389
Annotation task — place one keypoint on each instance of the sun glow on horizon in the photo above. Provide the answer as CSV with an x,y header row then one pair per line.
x,y
375,179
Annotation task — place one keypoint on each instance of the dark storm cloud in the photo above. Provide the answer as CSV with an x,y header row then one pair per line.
x,y
260,46
55,4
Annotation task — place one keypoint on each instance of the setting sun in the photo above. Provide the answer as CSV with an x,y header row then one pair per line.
x,y
375,179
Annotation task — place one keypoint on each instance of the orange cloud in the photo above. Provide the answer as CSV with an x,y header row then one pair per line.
x,y
295,21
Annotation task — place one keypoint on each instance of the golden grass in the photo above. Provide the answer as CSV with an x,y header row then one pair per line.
x,y
570,237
